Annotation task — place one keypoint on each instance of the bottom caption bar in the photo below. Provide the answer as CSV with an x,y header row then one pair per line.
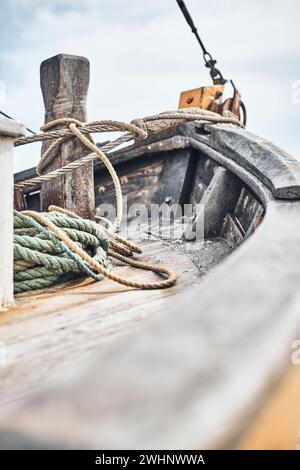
x,y
129,459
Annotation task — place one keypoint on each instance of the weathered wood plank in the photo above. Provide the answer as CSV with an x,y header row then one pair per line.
x,y
246,208
219,199
64,83
278,170
191,378
140,180
53,328
231,231
256,221
168,384
174,186
204,172
20,200
276,425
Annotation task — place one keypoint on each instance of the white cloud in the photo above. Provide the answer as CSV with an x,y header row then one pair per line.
x,y
142,55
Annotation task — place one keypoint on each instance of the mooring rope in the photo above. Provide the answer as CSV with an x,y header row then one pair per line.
x,y
49,247
138,129
42,259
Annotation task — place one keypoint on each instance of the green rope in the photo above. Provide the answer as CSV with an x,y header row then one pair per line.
x,y
41,259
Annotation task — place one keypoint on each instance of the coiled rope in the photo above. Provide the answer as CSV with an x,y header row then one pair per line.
x,y
42,259
51,247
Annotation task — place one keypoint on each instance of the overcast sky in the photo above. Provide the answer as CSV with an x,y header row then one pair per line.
x,y
143,54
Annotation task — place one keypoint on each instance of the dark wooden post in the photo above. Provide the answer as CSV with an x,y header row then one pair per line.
x,y
64,84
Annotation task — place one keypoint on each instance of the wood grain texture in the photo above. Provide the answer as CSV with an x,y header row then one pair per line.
x,y
203,174
20,201
219,198
274,167
140,180
277,425
231,231
175,183
247,209
190,378
64,83
50,330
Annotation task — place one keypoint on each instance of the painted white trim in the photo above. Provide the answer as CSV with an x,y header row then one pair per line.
x,y
9,130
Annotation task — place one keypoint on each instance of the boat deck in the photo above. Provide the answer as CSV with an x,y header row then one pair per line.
x,y
208,363
49,330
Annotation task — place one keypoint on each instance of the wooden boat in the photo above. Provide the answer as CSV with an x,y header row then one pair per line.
x,y
204,364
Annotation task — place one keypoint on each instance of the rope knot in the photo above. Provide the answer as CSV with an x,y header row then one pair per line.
x,y
61,122
142,128
71,123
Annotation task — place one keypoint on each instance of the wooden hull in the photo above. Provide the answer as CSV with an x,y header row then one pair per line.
x,y
212,349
